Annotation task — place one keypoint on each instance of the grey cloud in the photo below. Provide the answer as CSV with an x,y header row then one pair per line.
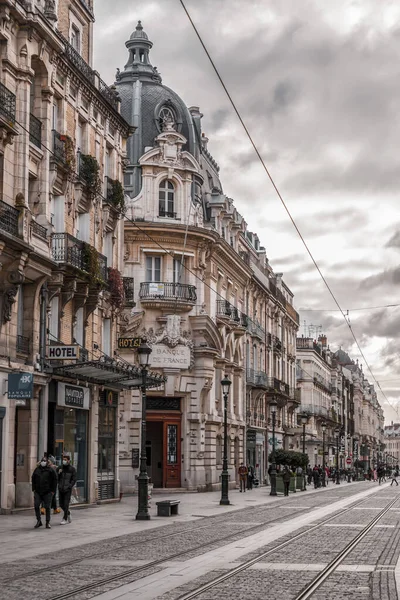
x,y
388,277
394,241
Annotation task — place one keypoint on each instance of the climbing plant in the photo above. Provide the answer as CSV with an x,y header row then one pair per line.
x,y
89,174
116,287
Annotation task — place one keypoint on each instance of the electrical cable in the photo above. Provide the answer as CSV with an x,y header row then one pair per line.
x,y
281,198
347,309
123,213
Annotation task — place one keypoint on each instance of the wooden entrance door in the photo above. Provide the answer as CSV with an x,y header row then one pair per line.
x,y
172,453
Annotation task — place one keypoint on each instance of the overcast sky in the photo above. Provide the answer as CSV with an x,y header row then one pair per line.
x,y
318,85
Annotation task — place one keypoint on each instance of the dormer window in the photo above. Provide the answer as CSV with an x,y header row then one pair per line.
x,y
166,118
166,197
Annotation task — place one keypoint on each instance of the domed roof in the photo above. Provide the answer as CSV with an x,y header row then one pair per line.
x,y
146,103
139,33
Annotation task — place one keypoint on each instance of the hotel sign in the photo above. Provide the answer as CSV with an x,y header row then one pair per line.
x,y
164,357
63,352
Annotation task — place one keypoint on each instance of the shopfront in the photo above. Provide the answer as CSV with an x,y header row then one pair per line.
x,y
163,443
68,432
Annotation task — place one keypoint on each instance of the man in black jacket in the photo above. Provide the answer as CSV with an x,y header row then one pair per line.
x,y
66,481
44,485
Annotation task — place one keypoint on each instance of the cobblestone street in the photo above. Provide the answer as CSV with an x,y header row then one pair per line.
x,y
106,554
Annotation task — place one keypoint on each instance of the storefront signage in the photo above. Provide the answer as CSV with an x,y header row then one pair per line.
x,y
20,386
129,342
73,396
164,357
63,352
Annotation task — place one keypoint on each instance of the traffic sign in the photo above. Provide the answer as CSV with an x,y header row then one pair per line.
x,y
348,461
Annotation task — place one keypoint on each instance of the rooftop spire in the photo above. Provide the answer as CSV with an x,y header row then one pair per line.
x,y
139,65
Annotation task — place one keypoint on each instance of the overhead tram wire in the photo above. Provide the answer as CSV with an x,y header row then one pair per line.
x,y
168,252
280,196
348,309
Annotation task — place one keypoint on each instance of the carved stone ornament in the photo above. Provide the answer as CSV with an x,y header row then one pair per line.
x,y
170,335
8,302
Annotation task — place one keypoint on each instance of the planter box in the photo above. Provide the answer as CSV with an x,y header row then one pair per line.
x,y
279,484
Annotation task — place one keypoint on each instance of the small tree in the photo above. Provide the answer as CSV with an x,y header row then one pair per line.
x,y
290,458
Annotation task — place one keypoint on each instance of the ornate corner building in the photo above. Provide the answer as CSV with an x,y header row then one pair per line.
x,y
205,298
62,154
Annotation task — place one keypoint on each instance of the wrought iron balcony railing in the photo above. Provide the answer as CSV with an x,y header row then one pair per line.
x,y
23,344
166,213
256,378
66,249
7,104
255,328
79,63
35,131
128,290
59,147
159,290
226,309
9,218
39,230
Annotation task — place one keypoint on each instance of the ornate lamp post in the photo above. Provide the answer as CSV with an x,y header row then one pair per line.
x,y
144,352
273,406
337,432
323,427
304,421
226,384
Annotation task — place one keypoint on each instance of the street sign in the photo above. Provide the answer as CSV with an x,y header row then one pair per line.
x,y
348,461
63,352
129,342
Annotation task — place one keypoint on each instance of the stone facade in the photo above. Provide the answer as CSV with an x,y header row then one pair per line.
x,y
205,297
335,392
62,152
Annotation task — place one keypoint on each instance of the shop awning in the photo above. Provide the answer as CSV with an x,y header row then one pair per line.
x,y
107,372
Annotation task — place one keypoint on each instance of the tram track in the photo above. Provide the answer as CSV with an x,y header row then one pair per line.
x,y
157,537
322,576
148,568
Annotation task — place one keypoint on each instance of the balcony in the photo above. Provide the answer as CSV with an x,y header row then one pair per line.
x,y
9,216
255,329
256,379
87,72
39,230
22,345
68,250
114,193
166,213
7,104
35,131
229,314
157,294
315,410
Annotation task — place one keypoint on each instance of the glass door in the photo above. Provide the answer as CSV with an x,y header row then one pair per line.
x,y
172,454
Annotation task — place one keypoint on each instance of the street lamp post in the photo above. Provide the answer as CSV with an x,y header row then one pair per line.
x,y
273,406
304,421
323,427
144,352
226,384
337,432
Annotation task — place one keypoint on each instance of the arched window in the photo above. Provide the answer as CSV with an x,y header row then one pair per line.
x,y
166,199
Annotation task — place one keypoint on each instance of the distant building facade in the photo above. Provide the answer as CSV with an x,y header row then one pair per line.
x,y
335,394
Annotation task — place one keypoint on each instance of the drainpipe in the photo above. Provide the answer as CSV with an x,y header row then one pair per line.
x,y
44,391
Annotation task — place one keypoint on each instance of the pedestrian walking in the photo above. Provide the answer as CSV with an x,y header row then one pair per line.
x,y
286,475
242,477
54,507
250,477
395,474
44,486
66,481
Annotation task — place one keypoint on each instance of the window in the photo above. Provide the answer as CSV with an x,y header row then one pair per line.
x,y
53,320
166,117
78,327
179,270
166,199
153,268
76,38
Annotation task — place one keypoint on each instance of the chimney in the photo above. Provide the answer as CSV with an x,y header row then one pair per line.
x,y
323,340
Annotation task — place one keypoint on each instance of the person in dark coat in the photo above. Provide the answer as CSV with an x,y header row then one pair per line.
x,y
286,475
44,486
66,481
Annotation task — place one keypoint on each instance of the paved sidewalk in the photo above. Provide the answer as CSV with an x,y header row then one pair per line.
x,y
95,523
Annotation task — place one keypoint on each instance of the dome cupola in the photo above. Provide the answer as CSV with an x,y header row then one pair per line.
x,y
139,65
